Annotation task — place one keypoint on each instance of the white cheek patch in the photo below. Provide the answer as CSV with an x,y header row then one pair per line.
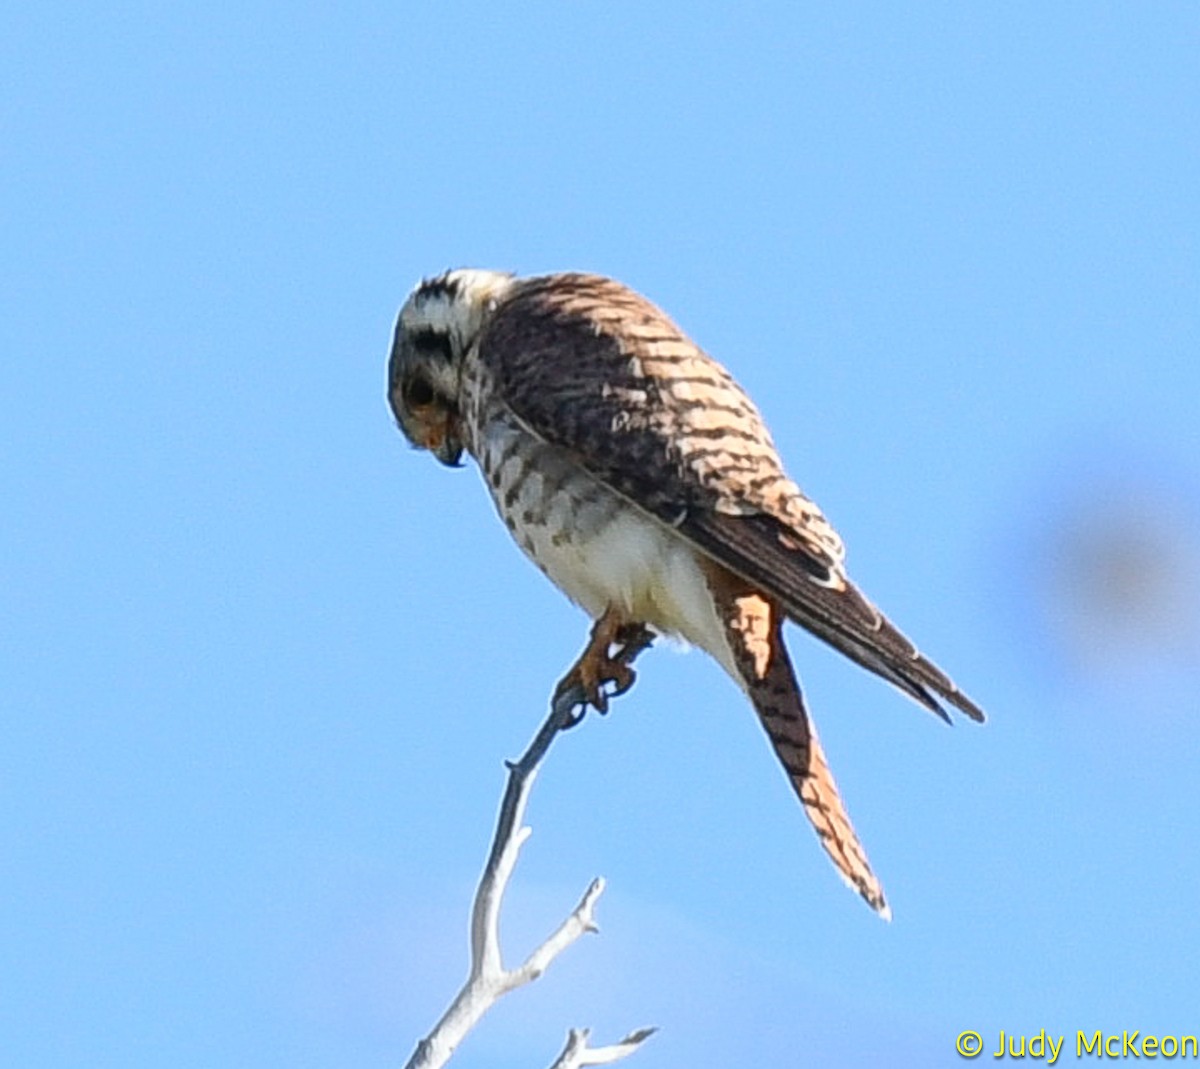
x,y
445,379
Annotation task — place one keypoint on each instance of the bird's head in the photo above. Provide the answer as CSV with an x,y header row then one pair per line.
x,y
437,326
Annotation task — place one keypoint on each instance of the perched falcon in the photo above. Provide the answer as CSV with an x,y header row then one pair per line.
x,y
641,479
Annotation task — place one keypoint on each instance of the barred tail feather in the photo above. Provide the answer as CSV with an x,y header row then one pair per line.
x,y
753,629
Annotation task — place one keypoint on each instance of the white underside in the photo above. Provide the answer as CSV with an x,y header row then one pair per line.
x,y
598,548
644,569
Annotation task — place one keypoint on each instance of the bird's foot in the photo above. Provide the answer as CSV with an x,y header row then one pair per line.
x,y
597,667
631,640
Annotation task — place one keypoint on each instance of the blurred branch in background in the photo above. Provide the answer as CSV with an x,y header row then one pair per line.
x,y
1119,578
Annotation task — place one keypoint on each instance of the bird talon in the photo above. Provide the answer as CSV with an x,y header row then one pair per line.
x,y
593,675
632,639
596,668
583,679
598,700
622,678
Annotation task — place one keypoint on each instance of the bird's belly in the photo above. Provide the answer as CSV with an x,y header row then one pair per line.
x,y
595,546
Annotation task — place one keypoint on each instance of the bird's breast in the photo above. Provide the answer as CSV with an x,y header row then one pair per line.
x,y
598,548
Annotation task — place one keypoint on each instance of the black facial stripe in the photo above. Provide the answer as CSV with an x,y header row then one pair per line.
x,y
440,286
430,342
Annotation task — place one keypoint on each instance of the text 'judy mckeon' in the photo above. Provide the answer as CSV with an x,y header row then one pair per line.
x,y
1125,1044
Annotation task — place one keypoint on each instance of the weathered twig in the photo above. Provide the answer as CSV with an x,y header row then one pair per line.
x,y
577,1053
488,980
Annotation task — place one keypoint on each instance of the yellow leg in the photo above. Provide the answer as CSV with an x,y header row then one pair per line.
x,y
596,666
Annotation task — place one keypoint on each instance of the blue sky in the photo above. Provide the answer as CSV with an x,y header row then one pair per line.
x,y
260,664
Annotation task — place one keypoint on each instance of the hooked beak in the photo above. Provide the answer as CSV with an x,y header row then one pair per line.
x,y
444,443
439,434
449,451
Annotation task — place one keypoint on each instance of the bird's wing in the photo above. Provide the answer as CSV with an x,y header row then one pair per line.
x,y
589,365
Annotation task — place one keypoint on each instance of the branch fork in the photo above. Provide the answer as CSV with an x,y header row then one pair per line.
x,y
488,980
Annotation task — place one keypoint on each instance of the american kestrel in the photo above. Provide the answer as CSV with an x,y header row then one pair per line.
x,y
641,479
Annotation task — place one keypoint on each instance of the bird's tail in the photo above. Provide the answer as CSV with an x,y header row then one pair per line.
x,y
753,628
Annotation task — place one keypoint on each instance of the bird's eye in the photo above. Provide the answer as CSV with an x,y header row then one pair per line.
x,y
418,393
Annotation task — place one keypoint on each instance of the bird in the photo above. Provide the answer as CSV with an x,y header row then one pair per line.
x,y
642,480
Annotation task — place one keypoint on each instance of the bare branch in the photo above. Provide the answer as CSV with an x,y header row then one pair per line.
x,y
572,928
487,979
577,1053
